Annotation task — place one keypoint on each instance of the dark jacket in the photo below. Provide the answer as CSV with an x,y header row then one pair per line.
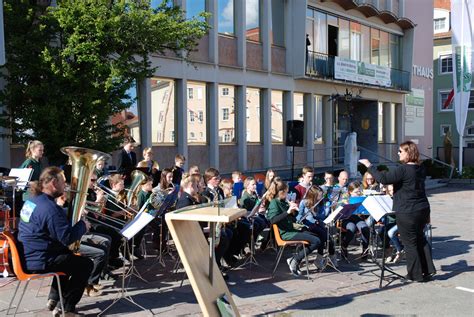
x,y
210,193
408,184
248,201
35,165
45,231
186,200
126,163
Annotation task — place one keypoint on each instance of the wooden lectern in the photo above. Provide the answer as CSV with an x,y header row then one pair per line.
x,y
197,255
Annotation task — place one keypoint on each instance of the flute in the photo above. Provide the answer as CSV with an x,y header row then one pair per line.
x,y
310,211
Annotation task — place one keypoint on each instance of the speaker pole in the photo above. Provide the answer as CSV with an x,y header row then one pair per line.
x,y
292,162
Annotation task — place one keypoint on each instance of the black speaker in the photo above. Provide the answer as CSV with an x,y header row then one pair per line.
x,y
294,133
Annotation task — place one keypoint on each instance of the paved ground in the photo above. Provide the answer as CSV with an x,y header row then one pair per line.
x,y
354,292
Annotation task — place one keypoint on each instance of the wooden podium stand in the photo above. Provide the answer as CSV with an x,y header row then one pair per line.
x,y
197,255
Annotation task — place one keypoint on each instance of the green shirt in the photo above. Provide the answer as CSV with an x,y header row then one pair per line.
x,y
276,209
248,201
35,165
142,198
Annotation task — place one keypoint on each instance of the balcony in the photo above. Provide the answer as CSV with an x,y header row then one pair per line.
x,y
320,65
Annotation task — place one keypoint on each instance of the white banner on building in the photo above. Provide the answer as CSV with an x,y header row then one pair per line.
x,y
462,19
348,69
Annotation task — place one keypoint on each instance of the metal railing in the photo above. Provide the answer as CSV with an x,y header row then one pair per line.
x,y
322,66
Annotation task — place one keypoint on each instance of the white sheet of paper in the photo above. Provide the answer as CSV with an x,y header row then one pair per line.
x,y
231,203
137,224
332,215
23,174
378,206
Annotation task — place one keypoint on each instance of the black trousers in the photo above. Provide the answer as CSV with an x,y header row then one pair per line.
x,y
77,270
418,251
314,243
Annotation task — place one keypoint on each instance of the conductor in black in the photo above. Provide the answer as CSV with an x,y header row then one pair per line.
x,y
412,209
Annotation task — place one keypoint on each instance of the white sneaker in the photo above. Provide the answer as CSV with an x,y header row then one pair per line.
x,y
398,257
319,261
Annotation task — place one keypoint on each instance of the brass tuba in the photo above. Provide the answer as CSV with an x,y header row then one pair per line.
x,y
137,178
83,163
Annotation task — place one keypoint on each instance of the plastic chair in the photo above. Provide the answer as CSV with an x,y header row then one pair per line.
x,y
22,276
281,247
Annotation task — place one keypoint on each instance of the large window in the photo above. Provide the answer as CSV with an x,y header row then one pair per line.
x,y
278,22
225,22
365,44
253,115
344,38
252,20
442,97
316,28
394,51
298,108
197,113
277,116
375,47
445,63
384,47
194,8
227,117
162,111
355,41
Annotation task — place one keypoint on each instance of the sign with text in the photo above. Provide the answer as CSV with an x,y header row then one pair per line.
x,y
415,113
348,69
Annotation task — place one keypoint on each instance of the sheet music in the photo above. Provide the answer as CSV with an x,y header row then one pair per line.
x,y
137,224
378,206
24,176
231,202
332,216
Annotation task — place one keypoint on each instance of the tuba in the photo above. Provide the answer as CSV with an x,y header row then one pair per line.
x,y
137,178
83,163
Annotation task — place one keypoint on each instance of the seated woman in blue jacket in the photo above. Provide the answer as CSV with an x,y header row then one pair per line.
x,y
283,214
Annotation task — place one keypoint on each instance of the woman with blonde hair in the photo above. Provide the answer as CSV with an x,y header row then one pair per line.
x,y
369,183
34,153
148,161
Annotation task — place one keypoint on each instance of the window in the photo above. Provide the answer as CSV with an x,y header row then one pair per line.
x,y
190,93
194,8
225,15
439,24
443,129
252,20
394,51
278,22
445,63
443,95
355,41
277,116
380,122
470,130
344,39
375,46
316,28
384,47
298,110
318,119
225,114
365,44
196,108
253,119
162,111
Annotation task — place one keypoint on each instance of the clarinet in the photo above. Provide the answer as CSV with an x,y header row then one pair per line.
x,y
310,211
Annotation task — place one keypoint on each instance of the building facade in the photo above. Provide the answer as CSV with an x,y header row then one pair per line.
x,y
340,66
443,116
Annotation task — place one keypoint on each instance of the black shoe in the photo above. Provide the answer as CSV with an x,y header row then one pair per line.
x,y
116,263
428,277
51,305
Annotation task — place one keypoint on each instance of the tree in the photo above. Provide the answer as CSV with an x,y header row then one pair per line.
x,y
69,67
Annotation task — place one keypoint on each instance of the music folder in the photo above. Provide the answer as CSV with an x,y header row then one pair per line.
x,y
378,206
342,212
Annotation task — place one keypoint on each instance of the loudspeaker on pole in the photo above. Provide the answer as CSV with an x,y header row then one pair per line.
x,y
294,133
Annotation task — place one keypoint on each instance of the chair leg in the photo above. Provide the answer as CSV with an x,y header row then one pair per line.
x,y
306,259
21,297
14,295
280,253
60,295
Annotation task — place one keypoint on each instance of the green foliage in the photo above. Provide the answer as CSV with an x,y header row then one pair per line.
x,y
468,172
436,170
69,67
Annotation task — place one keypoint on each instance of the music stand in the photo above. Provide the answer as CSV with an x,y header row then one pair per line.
x,y
23,178
251,259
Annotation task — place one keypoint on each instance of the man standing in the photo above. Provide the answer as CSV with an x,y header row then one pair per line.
x,y
127,160
46,233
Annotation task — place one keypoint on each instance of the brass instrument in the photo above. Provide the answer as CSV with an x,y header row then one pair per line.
x,y
82,166
137,178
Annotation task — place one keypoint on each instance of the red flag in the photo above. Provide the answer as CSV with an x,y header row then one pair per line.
x,y
449,99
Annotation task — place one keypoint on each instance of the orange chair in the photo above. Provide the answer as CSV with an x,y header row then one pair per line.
x,y
22,276
259,177
281,247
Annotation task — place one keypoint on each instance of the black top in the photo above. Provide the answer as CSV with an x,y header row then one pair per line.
x,y
126,163
209,193
408,185
186,200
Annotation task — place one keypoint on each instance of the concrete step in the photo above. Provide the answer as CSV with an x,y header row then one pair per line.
x,y
434,183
